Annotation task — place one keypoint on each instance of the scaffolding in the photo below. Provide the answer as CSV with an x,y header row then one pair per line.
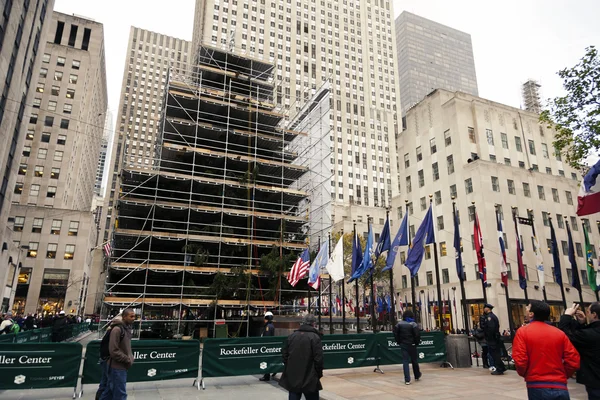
x,y
237,189
531,96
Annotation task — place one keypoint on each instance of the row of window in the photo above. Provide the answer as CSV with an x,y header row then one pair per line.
x,y
43,153
38,171
55,90
67,108
61,139
34,190
51,250
58,75
38,224
60,61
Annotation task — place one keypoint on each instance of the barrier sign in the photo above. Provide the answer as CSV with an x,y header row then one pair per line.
x,y
242,356
349,351
431,349
39,365
154,360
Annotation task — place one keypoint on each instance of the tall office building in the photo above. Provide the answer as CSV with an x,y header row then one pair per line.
x,y
350,44
55,185
531,96
23,25
488,157
99,187
432,56
149,57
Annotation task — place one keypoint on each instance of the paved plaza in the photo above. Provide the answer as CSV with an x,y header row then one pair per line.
x,y
358,383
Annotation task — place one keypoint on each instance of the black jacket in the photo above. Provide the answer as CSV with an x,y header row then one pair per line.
x,y
407,333
268,329
303,361
586,339
491,327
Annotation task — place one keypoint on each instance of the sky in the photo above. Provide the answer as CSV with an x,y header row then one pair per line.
x,y
513,40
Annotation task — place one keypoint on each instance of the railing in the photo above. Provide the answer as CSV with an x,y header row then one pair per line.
x,y
45,335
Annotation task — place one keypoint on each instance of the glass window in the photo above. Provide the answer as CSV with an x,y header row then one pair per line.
x,y
468,186
19,222
64,123
70,93
26,151
495,184
490,137
73,228
55,90
30,134
445,277
45,137
51,105
574,224
511,186
423,202
22,169
432,146
545,150
408,184
33,249
506,161
76,64
58,155
419,154
60,61
541,193
51,191
51,252
504,139
58,75
33,118
43,72
555,195
38,171
447,138
545,218
61,139
443,249
40,87
72,78
421,178
37,225
46,58
56,225
435,171
34,190
560,221
518,144
453,192
440,223
69,251
406,161
569,197
438,197
471,132
37,102
55,173
42,154
67,108
531,147
48,121
450,164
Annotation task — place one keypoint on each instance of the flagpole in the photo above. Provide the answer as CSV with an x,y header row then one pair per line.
x,y
437,264
574,269
372,305
330,289
356,307
392,296
344,330
454,306
475,238
539,251
412,278
518,250
462,281
557,257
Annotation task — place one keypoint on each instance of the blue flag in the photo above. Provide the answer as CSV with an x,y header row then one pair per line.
x,y
384,239
574,271
401,239
457,253
555,256
424,236
356,255
367,261
318,264
388,302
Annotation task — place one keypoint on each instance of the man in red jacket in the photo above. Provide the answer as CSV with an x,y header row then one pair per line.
x,y
544,356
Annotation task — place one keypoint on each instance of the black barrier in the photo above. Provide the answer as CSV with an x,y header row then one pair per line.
x,y
44,335
39,365
154,360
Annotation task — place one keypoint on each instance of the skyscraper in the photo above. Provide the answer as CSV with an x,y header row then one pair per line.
x,y
352,45
432,56
55,184
23,25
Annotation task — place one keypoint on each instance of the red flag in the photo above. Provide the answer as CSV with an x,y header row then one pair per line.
x,y
478,238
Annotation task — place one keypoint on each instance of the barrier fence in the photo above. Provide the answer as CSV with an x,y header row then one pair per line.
x,y
44,335
55,365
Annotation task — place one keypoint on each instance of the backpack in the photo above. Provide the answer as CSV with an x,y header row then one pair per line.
x,y
14,328
104,351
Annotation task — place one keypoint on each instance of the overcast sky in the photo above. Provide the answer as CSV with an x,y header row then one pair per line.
x,y
513,40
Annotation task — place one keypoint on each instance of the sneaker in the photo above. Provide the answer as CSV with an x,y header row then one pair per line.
x,y
417,379
264,379
498,373
492,369
407,383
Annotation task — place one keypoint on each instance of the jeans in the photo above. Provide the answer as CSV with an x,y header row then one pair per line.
x,y
593,393
485,358
409,355
307,396
547,394
115,389
103,379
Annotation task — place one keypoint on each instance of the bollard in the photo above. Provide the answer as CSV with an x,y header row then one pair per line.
x,y
457,348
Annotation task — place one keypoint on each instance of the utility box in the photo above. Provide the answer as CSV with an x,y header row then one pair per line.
x,y
457,351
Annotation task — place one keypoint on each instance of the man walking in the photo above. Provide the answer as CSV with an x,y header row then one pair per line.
x,y
408,336
584,332
303,361
491,330
544,356
59,326
268,330
120,357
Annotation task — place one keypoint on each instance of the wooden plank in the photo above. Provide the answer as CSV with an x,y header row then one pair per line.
x,y
188,301
167,267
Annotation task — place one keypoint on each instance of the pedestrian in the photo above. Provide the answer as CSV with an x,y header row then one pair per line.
x,y
267,330
584,332
8,325
120,357
105,355
491,329
59,327
29,322
479,335
408,336
303,361
544,356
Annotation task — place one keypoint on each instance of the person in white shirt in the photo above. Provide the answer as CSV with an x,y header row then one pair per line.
x,y
6,323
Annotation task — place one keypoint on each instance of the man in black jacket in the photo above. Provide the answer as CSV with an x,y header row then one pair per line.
x,y
268,330
491,329
584,332
303,361
408,336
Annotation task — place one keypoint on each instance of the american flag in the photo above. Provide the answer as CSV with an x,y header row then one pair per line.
x,y
107,249
300,268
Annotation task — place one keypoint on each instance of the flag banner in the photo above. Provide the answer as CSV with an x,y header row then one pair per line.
x,y
555,256
521,266
588,199
335,265
525,221
401,239
539,262
503,264
356,255
576,283
424,236
479,249
589,257
317,266
300,268
367,260
383,244
107,249
457,253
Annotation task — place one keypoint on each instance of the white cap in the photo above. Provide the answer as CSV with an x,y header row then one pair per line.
x,y
268,314
61,313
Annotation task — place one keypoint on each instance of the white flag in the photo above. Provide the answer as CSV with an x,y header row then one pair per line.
x,y
539,262
335,265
